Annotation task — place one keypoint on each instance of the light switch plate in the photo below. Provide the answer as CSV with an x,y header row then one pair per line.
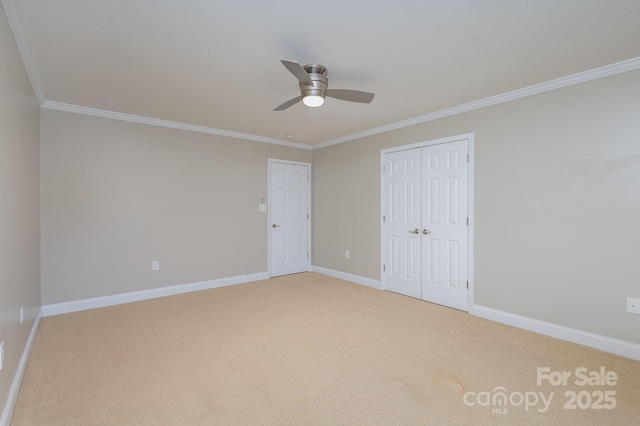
x,y
262,207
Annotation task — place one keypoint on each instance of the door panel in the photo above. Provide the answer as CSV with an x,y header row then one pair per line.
x,y
289,219
445,201
402,214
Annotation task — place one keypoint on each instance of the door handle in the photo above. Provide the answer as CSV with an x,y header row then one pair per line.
x,y
425,231
274,225
415,231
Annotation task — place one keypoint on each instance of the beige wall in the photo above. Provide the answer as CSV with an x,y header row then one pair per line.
x,y
557,204
19,207
118,195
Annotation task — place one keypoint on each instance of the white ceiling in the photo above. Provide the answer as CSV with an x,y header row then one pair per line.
x,y
217,63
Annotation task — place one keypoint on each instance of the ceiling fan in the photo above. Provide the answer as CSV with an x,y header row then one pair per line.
x,y
313,87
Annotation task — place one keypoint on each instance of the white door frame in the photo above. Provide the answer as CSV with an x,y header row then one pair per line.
x,y
270,161
469,138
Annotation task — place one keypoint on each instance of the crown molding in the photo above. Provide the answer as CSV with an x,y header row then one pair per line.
x,y
13,16
12,11
582,77
60,106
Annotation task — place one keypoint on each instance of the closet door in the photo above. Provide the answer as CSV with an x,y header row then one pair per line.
x,y
425,234
402,230
445,189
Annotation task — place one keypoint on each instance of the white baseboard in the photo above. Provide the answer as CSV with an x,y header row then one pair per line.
x,y
136,296
596,341
7,413
348,277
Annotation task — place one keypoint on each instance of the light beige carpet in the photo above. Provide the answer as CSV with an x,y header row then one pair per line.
x,y
306,350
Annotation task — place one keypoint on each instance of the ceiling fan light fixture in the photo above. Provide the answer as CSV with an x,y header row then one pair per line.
x,y
313,100
313,83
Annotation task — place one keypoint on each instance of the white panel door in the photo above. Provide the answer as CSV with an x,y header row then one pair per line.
x,y
289,214
425,240
403,222
444,224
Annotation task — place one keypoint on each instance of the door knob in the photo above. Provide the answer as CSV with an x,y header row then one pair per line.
x,y
425,231
415,231
274,225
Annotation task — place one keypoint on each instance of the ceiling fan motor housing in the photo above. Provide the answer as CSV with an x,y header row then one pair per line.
x,y
318,74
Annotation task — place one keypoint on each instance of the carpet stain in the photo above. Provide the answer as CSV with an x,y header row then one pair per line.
x,y
449,382
49,403
416,391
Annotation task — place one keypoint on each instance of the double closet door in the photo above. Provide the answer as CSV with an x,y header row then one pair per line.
x,y
425,241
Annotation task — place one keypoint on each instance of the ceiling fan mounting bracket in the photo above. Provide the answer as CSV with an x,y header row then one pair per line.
x,y
315,69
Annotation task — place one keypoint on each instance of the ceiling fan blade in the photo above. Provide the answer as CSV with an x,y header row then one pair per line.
x,y
289,103
297,70
351,95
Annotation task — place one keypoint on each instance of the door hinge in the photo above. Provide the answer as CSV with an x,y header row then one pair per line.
x,y
308,257
384,169
384,218
467,221
307,215
467,285
308,178
467,158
